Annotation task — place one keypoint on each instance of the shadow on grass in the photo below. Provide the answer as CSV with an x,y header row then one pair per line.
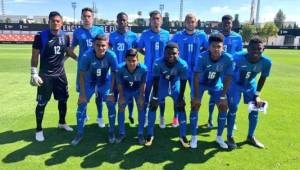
x,y
95,150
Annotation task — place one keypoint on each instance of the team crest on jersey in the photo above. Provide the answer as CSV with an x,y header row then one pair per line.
x,y
61,40
219,67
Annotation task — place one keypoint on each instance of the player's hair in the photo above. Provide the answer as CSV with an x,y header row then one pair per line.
x,y
53,14
132,52
227,17
100,37
255,40
122,13
87,9
155,12
189,16
172,45
216,37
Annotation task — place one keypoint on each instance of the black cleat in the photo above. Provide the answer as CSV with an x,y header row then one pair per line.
x,y
120,138
255,142
131,120
149,140
141,140
184,142
231,143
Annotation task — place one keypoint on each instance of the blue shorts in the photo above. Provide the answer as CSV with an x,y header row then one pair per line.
x,y
129,95
235,91
214,92
102,91
164,92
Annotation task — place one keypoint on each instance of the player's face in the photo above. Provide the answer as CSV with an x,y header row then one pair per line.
x,y
216,49
227,24
100,47
156,21
190,24
131,62
122,22
171,54
255,51
55,23
87,18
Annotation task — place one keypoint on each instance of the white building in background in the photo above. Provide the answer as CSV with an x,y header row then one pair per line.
x,y
40,19
13,18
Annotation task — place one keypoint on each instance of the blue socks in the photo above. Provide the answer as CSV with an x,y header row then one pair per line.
x,y
221,123
193,122
253,119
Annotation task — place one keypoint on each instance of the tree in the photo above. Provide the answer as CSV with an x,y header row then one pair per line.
x,y
236,22
267,31
7,20
295,26
279,19
247,32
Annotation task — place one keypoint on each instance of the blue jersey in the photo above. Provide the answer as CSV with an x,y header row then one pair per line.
x,y
52,51
154,44
170,76
97,69
131,81
233,43
120,43
83,37
245,72
211,72
190,45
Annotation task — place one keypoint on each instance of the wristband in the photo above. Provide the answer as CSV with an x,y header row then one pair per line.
x,y
34,70
223,98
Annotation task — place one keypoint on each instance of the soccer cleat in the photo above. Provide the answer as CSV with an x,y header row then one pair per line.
x,y
231,143
111,138
120,138
101,124
175,122
141,140
162,122
39,136
65,126
210,124
131,120
77,139
221,142
193,142
149,140
255,142
184,142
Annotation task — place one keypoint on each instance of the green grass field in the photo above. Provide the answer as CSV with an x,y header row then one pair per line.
x,y
19,150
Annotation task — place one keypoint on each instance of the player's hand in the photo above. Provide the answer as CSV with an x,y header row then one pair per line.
x,y
258,102
223,105
141,100
180,103
195,104
111,98
35,80
154,103
121,100
82,99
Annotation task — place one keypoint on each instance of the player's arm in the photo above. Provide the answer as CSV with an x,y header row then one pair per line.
x,y
70,52
35,80
82,96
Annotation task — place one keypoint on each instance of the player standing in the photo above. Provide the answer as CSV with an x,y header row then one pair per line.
x,y
51,45
247,66
210,68
83,37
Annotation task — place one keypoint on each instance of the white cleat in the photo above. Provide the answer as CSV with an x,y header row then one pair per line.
x,y
221,142
39,136
101,124
234,127
162,123
65,126
193,142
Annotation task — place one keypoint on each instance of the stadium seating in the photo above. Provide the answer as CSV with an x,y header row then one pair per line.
x,y
16,37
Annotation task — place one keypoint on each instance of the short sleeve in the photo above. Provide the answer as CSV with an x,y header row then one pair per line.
x,y
37,43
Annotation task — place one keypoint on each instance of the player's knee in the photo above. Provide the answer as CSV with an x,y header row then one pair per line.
x,y
121,108
140,107
42,103
180,109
